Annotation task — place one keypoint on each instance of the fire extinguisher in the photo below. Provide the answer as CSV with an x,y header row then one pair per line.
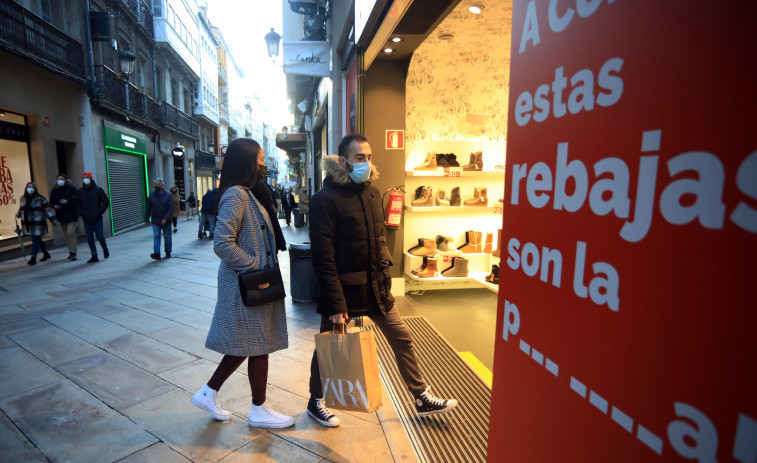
x,y
396,203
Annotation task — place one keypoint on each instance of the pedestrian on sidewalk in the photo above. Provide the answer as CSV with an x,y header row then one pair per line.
x,y
208,213
160,205
34,210
91,203
351,261
264,195
243,242
176,208
191,204
63,200
288,204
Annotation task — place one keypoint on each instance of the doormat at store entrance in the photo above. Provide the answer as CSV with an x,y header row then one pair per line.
x,y
457,436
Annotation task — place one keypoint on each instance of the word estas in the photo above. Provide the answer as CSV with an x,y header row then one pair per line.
x,y
557,23
685,198
604,284
581,98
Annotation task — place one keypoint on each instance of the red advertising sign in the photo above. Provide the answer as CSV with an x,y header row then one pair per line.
x,y
395,139
627,312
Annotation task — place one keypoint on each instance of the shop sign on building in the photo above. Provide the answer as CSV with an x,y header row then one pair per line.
x,y
626,311
123,141
307,58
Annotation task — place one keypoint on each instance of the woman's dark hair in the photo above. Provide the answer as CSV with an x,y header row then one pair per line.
x,y
240,165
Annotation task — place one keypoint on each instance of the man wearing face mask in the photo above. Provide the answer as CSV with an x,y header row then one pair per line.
x,y
351,261
92,202
63,200
159,210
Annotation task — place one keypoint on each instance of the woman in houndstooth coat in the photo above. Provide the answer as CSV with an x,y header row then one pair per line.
x,y
244,241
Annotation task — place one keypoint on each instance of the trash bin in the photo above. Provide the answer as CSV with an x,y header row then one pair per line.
x,y
303,284
299,219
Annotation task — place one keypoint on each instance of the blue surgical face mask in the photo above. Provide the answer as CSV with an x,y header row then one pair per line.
x,y
361,171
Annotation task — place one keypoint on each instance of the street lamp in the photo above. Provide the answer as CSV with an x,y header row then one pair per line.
x,y
126,59
211,147
272,41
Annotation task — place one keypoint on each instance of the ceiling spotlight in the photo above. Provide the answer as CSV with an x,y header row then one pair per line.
x,y
388,50
446,37
476,9
397,39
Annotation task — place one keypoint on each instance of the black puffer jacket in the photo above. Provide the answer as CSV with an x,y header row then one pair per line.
x,y
67,212
92,202
350,255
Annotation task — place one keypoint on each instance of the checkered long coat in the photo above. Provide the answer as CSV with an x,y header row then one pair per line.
x,y
243,241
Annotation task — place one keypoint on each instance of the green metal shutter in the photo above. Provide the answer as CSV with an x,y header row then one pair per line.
x,y
127,190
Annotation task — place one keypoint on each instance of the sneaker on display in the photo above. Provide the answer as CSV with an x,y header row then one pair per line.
x,y
428,404
207,399
263,416
318,410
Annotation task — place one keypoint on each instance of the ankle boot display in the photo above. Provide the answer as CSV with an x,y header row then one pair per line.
x,y
450,243
480,198
430,270
452,160
418,192
420,245
441,198
454,199
459,268
489,242
428,249
495,253
493,277
426,199
429,163
441,160
472,242
423,266
476,161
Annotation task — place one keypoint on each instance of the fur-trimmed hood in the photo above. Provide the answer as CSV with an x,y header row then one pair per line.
x,y
338,174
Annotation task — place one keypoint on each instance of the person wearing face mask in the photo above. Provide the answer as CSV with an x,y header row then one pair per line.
x,y
264,195
160,205
176,208
63,200
34,210
92,202
351,261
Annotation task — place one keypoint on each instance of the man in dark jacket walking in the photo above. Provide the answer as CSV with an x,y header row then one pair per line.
x,y
63,200
351,261
208,213
288,204
160,206
92,202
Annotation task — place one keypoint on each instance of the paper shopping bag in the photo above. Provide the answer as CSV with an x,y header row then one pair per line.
x,y
349,370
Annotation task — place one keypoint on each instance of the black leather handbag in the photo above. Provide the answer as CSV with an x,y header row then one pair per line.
x,y
259,287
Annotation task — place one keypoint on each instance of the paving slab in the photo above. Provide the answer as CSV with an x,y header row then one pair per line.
x,y
307,315
5,341
145,352
100,307
117,294
289,375
189,430
192,376
53,345
22,325
300,350
157,307
149,289
158,453
139,321
196,319
114,381
271,448
68,424
87,326
14,446
206,303
189,340
20,371
11,309
306,332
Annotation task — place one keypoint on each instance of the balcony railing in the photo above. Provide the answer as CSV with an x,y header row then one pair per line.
x,y
141,12
117,92
173,118
29,34
223,112
205,160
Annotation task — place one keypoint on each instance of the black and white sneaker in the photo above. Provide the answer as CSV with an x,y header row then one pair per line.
x,y
427,404
321,413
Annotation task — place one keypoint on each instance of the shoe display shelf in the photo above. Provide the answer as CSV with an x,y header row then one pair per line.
x,y
427,221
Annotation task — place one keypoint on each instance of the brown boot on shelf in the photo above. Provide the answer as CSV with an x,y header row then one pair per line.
x,y
493,277
426,199
459,268
428,249
430,270
441,198
467,247
429,163
480,198
450,243
495,253
479,160
454,199
418,246
488,244
473,242
420,269
441,243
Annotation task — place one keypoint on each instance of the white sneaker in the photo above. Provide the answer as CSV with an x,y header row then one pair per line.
x,y
207,399
263,416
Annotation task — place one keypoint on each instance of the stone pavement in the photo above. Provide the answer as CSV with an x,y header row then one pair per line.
x,y
98,363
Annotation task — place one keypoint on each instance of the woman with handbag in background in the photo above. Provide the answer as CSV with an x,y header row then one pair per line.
x,y
245,243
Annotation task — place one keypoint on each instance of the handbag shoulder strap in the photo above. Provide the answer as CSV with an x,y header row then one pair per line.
x,y
254,204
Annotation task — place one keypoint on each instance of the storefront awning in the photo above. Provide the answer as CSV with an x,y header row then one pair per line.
x,y
291,142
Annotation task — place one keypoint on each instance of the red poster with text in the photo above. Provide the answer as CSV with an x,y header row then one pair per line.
x,y
627,310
